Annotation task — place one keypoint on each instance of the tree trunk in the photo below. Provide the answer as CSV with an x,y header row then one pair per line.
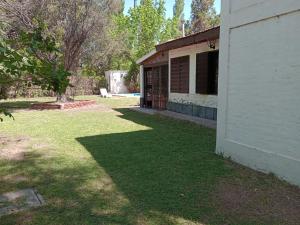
x,y
61,98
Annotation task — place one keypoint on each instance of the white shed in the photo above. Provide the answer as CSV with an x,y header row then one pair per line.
x,y
259,85
116,81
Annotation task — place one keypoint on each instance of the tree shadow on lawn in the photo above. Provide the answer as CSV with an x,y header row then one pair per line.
x,y
74,194
170,168
17,105
165,175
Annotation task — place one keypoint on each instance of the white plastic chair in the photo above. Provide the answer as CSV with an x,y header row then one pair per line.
x,y
104,93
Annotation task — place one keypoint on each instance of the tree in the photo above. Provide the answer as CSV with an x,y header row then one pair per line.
x,y
178,14
144,27
30,52
203,15
36,55
11,65
106,50
178,9
77,25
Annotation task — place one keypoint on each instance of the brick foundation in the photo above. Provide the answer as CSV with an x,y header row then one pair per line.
x,y
67,105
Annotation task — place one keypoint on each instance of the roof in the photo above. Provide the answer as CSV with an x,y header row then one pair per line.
x,y
208,35
143,58
211,34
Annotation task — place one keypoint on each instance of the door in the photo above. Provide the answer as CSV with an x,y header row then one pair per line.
x,y
148,87
156,87
160,86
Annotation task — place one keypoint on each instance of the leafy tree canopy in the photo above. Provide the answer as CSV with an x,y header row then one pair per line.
x,y
145,26
203,15
33,57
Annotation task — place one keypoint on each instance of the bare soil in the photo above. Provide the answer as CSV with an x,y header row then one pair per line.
x,y
256,198
95,107
13,149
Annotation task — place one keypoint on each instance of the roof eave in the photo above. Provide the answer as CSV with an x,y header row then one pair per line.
x,y
145,57
211,34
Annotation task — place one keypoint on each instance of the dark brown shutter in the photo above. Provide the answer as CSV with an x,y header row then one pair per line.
x,y
164,87
184,74
180,70
174,75
155,87
202,73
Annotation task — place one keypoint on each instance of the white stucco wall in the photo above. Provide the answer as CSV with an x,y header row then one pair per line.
x,y
115,80
259,85
191,97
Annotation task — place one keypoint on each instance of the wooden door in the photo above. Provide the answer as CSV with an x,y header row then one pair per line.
x,y
156,87
148,87
160,86
164,86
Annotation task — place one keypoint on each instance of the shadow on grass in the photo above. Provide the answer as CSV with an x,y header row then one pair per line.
x,y
17,105
167,170
170,168
65,188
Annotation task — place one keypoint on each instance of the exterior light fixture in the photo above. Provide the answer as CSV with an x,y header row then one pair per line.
x,y
211,44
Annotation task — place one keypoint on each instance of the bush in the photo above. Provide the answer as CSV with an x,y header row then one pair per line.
x,y
80,85
132,79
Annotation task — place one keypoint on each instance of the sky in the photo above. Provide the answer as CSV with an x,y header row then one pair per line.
x,y
169,7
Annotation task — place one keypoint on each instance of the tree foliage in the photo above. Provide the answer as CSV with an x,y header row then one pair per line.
x,y
5,113
178,14
34,57
203,15
78,27
145,26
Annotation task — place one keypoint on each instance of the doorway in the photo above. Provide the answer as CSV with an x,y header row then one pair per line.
x,y
156,87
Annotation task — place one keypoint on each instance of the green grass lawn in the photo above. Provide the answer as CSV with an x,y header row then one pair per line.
x,y
118,167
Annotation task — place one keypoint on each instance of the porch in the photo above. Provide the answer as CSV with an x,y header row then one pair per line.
x,y
154,80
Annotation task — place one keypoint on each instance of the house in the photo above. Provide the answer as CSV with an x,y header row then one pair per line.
x,y
116,81
182,75
259,86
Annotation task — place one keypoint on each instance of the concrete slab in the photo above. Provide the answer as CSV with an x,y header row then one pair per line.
x,y
197,120
144,110
13,202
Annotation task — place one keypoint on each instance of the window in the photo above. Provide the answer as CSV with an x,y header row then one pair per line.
x,y
180,70
207,69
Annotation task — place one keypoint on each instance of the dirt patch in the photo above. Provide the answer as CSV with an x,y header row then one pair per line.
x,y
91,108
258,197
13,148
14,178
98,107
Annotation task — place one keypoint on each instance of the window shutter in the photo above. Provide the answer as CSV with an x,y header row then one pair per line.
x,y
174,75
184,74
202,73
180,74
